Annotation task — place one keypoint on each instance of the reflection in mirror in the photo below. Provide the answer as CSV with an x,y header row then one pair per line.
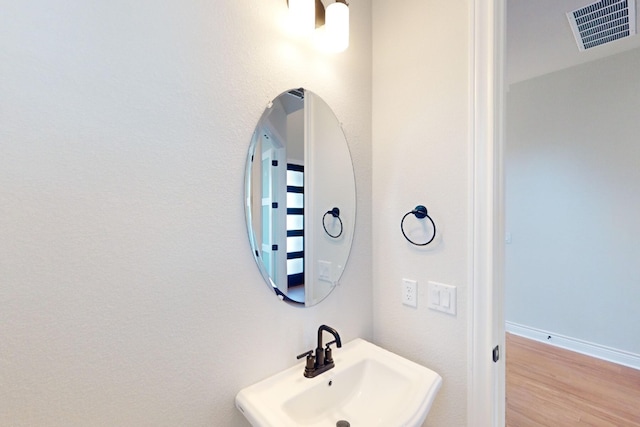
x,y
298,171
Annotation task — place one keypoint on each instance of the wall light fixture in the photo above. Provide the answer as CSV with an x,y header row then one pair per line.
x,y
332,23
337,25
302,16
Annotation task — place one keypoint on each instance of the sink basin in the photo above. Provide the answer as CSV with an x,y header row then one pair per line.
x,y
369,386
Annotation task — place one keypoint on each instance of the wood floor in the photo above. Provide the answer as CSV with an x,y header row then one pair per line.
x,y
549,386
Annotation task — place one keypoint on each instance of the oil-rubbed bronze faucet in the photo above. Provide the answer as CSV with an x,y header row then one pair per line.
x,y
322,361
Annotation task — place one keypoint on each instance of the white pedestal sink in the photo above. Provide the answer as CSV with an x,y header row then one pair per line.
x,y
369,386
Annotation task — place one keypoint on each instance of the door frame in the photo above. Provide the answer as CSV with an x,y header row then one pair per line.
x,y
486,390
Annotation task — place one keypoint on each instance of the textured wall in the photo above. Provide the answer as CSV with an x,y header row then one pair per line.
x,y
128,293
421,100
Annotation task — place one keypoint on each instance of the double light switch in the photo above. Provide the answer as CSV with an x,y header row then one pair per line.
x,y
441,297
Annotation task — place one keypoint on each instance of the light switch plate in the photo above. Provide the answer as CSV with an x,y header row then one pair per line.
x,y
324,270
441,297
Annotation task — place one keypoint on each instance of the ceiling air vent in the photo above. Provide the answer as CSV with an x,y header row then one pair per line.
x,y
299,93
603,22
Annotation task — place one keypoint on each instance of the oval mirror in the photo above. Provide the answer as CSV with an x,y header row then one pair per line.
x,y
300,197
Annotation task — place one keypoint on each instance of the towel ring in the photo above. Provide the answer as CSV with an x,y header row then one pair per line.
x,y
420,212
335,212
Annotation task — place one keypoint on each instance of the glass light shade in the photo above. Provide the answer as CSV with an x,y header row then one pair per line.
x,y
337,26
302,16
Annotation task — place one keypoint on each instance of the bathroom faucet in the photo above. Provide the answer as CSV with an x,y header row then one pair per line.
x,y
322,361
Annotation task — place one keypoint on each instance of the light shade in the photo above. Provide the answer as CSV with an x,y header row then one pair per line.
x,y
302,16
337,26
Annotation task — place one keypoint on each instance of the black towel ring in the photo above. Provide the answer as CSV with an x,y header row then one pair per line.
x,y
335,212
420,212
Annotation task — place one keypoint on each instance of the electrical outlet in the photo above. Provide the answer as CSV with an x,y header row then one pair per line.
x,y
410,292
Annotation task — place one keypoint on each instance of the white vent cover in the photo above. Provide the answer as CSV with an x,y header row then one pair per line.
x,y
603,22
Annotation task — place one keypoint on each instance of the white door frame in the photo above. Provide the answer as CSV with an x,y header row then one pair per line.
x,y
486,392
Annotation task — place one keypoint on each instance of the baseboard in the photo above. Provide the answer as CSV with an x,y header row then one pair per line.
x,y
620,357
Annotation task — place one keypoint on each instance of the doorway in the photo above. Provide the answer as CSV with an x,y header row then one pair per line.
x,y
571,185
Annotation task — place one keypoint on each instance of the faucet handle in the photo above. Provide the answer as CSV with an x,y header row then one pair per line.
x,y
328,358
311,361
308,354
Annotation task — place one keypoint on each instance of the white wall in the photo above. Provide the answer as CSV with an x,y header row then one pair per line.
x,y
572,202
421,154
329,184
128,292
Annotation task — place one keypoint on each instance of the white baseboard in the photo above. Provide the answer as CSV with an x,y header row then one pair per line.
x,y
620,357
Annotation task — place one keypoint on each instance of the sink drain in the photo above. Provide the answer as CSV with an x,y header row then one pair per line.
x,y
343,423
